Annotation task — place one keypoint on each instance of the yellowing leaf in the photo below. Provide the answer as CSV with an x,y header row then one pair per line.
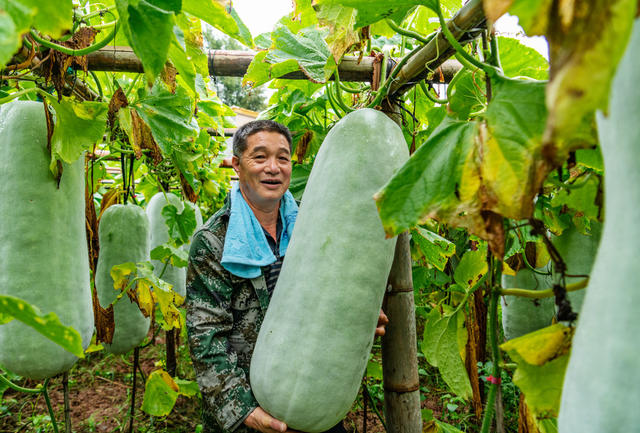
x,y
541,346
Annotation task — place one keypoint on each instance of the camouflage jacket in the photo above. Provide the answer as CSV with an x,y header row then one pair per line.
x,y
224,314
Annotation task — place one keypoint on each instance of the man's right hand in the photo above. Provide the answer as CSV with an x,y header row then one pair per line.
x,y
262,421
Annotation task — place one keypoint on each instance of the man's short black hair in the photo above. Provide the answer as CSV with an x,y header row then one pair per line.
x,y
242,133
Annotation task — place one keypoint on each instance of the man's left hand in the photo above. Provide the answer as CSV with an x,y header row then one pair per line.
x,y
382,323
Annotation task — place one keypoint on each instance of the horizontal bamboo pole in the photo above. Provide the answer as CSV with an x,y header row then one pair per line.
x,y
235,64
464,25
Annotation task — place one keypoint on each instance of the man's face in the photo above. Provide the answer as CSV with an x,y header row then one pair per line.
x,y
264,169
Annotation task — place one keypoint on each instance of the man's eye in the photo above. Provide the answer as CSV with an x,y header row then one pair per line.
x,y
259,157
284,158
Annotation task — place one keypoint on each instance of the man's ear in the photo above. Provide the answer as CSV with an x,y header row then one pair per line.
x,y
235,163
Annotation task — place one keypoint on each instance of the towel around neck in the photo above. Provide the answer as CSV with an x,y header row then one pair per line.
x,y
246,248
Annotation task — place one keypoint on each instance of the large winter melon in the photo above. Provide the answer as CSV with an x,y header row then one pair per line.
x,y
124,237
43,246
314,343
174,275
578,252
601,392
523,315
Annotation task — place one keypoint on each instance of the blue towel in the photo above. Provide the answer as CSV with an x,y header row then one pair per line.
x,y
246,248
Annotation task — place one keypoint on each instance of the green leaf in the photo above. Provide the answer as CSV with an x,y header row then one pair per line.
x,y
169,116
471,269
581,200
188,388
78,126
435,248
542,358
181,225
441,347
9,37
149,30
374,369
517,59
467,95
215,13
52,17
48,324
341,22
371,11
579,43
299,176
160,394
513,165
307,48
176,256
432,180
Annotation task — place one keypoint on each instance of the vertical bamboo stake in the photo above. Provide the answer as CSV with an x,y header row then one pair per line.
x,y
399,344
399,347
67,409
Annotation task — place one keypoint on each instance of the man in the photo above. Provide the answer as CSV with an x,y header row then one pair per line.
x,y
234,262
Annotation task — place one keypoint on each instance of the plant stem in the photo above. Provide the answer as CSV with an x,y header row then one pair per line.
x,y
136,357
18,388
428,94
67,410
493,342
48,401
72,52
384,90
404,32
539,294
464,56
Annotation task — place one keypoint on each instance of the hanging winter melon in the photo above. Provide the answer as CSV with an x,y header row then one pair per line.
x,y
176,276
523,315
314,343
601,392
124,237
43,245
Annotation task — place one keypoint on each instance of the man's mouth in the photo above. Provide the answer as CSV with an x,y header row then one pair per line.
x,y
271,181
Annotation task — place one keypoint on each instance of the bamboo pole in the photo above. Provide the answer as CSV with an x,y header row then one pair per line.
x,y
235,64
466,24
399,344
399,347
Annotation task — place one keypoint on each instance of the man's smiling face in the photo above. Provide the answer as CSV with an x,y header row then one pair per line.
x,y
264,169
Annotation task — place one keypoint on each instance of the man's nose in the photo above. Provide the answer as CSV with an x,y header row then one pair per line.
x,y
272,166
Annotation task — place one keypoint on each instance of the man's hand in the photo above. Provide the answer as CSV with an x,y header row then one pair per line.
x,y
382,322
262,421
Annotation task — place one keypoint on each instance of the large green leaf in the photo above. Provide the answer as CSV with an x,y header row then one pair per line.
x,y
517,59
307,48
513,166
585,43
46,324
441,347
215,13
433,181
181,224
541,359
169,116
160,394
341,21
52,17
471,269
78,126
371,11
435,248
149,30
9,37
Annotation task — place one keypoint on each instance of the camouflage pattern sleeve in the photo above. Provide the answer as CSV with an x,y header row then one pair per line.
x,y
224,385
